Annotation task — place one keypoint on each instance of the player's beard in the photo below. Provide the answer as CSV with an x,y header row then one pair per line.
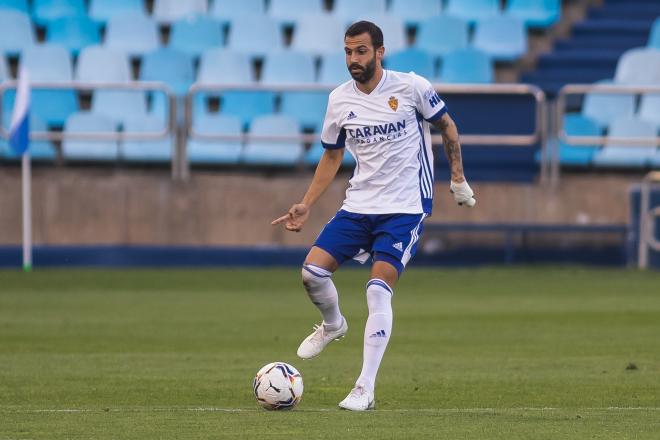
x,y
366,73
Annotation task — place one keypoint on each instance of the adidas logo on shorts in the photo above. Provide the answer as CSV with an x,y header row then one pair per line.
x,y
398,246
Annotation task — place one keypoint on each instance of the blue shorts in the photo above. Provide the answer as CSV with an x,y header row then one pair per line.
x,y
386,237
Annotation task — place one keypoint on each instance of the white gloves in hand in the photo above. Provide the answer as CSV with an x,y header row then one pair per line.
x,y
463,194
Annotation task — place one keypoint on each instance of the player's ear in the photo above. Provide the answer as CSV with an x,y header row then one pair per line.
x,y
380,53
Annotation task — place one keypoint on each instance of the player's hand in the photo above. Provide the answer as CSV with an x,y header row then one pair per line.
x,y
463,194
295,218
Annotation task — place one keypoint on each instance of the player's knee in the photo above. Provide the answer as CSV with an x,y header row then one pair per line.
x,y
314,276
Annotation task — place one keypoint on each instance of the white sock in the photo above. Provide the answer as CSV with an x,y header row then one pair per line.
x,y
377,331
321,290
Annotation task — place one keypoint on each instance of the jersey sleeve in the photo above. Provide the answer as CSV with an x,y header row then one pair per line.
x,y
333,136
427,101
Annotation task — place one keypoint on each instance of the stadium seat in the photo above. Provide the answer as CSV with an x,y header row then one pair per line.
x,y
473,10
74,33
44,11
467,65
85,122
604,108
222,66
50,63
273,152
318,34
226,11
220,151
104,10
414,12
243,38
17,5
17,32
654,36
441,35
313,156
159,150
333,69
649,109
100,64
174,68
287,12
411,60
620,155
195,34
308,108
354,10
395,36
120,105
167,11
504,38
41,150
640,66
132,34
535,13
247,105
578,155
288,67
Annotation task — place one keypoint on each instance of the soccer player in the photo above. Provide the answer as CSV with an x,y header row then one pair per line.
x,y
382,117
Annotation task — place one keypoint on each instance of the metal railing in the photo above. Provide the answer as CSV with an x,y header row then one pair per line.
x,y
647,219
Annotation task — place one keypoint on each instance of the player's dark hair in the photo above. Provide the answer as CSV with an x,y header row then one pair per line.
x,y
361,27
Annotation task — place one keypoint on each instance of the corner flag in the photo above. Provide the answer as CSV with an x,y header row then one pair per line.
x,y
19,131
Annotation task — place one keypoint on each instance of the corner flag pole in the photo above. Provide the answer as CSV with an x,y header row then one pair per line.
x,y
19,140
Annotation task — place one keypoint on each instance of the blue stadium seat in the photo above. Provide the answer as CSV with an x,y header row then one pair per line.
x,y
654,36
621,155
473,10
243,38
247,105
649,109
44,11
167,11
578,155
104,10
333,69
415,60
313,156
50,63
467,65
353,10
39,150
120,105
535,13
195,34
17,5
640,66
414,12
287,12
216,152
288,67
262,152
605,108
318,34
308,108
174,68
227,10
146,151
133,34
74,33
17,32
504,38
222,66
441,35
85,122
100,64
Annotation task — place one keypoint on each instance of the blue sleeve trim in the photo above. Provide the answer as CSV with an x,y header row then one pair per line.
x,y
341,141
438,115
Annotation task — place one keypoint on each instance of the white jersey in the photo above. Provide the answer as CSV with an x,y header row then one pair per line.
x,y
387,131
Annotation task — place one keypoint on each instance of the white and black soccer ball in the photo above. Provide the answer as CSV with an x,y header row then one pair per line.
x,y
278,386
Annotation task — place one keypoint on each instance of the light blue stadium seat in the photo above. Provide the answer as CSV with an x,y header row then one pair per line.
x,y
654,36
578,155
50,63
395,36
649,109
17,32
415,60
313,156
132,34
504,38
226,11
535,13
473,10
605,108
120,105
100,64
104,10
441,35
220,151
44,11
174,68
168,11
318,34
414,12
620,155
17,5
262,152
247,105
308,108
333,69
287,12
74,33
354,10
288,67
85,122
146,151
42,151
242,37
467,65
195,34
639,66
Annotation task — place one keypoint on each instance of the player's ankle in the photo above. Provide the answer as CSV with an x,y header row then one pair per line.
x,y
333,326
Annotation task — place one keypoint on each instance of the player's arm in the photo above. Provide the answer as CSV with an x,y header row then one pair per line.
x,y
463,194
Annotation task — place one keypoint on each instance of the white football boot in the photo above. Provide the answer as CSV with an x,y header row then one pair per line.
x,y
316,342
359,399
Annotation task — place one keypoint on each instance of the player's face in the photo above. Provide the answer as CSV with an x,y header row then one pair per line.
x,y
361,57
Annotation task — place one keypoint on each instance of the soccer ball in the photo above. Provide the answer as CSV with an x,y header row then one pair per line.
x,y
278,386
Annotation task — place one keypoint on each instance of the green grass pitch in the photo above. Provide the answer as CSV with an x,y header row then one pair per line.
x,y
492,353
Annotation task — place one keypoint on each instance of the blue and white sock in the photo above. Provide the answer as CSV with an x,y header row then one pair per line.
x,y
321,290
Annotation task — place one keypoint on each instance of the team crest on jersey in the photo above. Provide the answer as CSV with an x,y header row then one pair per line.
x,y
394,103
